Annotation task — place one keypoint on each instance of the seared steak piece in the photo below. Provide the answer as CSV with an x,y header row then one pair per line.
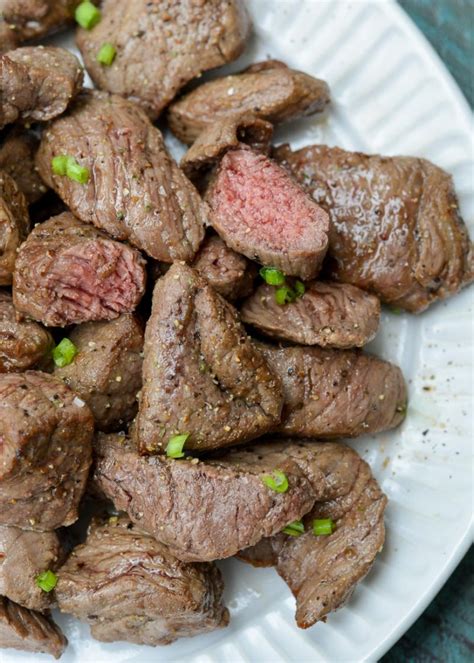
x,y
336,393
322,571
30,631
135,190
24,555
165,496
161,46
17,158
259,211
68,272
128,586
22,344
334,315
107,370
202,374
270,90
14,225
37,83
21,20
222,136
45,451
395,223
228,272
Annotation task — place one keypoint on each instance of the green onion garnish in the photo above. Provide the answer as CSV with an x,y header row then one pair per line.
x,y
272,276
299,289
46,580
87,15
295,528
284,295
64,353
67,165
59,164
174,448
106,54
323,527
276,481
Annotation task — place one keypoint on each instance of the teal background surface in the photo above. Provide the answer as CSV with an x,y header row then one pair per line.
x,y
445,632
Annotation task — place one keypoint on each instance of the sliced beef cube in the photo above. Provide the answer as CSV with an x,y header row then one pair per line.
x,y
68,272
17,158
395,223
270,90
222,136
107,370
259,211
334,315
161,46
336,393
202,374
228,272
21,20
37,83
25,554
29,631
135,191
323,571
14,225
45,451
128,586
24,344
166,496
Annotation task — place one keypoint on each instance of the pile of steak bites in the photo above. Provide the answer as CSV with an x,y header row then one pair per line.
x,y
181,345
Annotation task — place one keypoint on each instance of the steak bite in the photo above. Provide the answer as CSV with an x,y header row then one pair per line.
x,y
14,225
322,571
270,90
168,497
128,586
395,224
29,631
202,375
37,83
228,272
336,393
68,272
334,315
222,136
24,555
21,20
159,47
107,370
259,211
17,158
22,344
45,451
135,190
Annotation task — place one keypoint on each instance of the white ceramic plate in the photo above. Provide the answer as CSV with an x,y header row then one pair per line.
x,y
391,95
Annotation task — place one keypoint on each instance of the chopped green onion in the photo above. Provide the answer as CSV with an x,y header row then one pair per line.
x,y
295,528
64,353
46,580
87,15
106,54
323,527
174,448
76,172
396,311
299,289
276,481
59,164
272,276
284,295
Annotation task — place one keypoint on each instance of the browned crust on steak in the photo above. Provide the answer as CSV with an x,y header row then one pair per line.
x,y
160,47
270,90
17,158
21,20
14,225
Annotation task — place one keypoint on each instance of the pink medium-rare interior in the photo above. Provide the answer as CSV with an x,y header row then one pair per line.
x,y
254,195
96,280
